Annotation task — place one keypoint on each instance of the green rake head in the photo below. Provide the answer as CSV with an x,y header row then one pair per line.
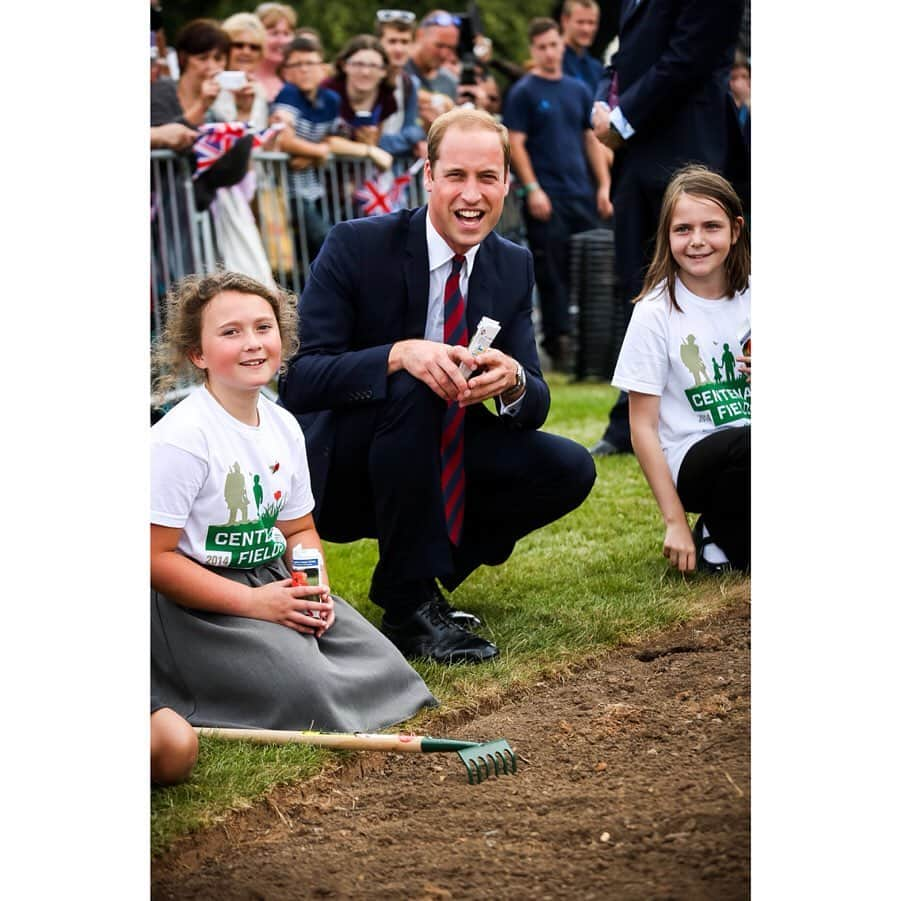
x,y
481,758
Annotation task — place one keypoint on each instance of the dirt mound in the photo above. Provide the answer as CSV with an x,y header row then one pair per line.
x,y
634,782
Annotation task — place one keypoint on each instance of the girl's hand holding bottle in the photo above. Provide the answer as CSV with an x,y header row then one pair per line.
x,y
744,365
291,605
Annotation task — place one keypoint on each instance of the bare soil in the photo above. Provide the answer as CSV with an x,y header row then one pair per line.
x,y
633,783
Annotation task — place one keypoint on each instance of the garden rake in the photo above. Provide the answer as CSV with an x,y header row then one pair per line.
x,y
479,758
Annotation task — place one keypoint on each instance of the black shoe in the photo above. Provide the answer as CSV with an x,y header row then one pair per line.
x,y
605,448
428,632
460,617
702,565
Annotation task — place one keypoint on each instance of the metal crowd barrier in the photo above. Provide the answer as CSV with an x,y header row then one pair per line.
x,y
183,239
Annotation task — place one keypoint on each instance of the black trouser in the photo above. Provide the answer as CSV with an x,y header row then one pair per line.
x,y
549,243
384,482
637,200
715,481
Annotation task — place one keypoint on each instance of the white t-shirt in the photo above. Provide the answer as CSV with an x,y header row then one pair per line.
x,y
687,359
225,483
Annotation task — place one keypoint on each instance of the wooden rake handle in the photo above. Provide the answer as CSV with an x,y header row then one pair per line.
x,y
351,741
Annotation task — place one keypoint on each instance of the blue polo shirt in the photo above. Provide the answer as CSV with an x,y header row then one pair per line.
x,y
554,115
585,67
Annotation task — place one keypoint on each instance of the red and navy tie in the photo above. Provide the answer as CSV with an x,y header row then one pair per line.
x,y
453,479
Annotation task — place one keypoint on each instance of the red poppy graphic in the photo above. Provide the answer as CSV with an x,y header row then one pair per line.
x,y
274,468
277,495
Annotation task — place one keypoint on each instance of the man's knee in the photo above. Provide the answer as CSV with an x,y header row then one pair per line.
x,y
582,473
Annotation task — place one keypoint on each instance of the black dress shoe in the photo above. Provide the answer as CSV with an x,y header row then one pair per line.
x,y
428,632
460,617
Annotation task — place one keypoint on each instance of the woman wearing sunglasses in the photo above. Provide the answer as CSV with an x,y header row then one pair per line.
x,y
248,103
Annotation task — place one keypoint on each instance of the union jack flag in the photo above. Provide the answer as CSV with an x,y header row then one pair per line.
x,y
217,138
385,193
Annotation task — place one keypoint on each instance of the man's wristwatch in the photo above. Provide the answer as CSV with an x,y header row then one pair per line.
x,y
519,385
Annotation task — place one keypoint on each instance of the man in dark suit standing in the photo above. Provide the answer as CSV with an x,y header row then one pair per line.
x,y
663,103
400,445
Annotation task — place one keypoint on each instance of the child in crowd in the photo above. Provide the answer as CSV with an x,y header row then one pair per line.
x,y
233,641
692,431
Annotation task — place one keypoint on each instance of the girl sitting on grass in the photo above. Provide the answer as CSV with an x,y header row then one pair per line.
x,y
233,641
691,432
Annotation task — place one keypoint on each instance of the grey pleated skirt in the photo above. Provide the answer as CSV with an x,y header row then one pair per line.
x,y
220,670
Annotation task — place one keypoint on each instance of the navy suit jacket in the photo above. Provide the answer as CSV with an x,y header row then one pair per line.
x,y
368,289
672,66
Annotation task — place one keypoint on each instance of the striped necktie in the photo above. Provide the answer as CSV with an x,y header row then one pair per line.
x,y
453,478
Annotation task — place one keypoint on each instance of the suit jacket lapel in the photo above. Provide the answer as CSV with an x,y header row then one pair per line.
x,y
481,289
417,276
628,9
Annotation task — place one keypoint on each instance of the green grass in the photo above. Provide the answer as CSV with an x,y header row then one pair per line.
x,y
589,581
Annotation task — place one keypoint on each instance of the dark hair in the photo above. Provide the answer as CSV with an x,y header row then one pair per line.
x,y
699,181
355,45
200,36
541,25
305,44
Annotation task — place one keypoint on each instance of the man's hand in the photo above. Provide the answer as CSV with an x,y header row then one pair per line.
x,y
431,106
498,374
438,365
605,207
600,122
539,204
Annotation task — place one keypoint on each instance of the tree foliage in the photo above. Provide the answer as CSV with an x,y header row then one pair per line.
x,y
503,21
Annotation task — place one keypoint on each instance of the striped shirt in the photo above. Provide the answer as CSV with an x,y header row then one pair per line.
x,y
314,121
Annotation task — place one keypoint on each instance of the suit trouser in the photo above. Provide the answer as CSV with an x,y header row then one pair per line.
x,y
384,483
637,202
715,481
549,243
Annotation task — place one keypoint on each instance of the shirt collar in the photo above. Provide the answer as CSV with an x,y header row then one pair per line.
x,y
440,253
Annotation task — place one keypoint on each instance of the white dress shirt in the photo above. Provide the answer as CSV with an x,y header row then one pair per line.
x,y
440,262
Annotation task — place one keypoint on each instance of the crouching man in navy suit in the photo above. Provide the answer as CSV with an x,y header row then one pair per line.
x,y
400,445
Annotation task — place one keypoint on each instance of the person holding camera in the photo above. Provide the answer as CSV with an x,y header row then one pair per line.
x,y
202,48
246,103
565,173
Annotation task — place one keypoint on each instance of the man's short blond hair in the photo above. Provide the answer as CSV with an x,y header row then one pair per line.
x,y
466,119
